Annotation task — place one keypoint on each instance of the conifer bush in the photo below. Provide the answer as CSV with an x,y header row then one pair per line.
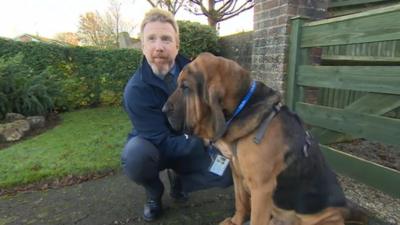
x,y
22,90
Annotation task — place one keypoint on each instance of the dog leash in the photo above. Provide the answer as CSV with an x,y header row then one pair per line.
x,y
264,125
262,128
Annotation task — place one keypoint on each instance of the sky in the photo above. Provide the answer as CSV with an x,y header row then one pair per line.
x,y
49,17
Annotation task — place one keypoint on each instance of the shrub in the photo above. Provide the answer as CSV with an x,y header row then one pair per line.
x,y
75,77
23,91
103,71
196,38
85,76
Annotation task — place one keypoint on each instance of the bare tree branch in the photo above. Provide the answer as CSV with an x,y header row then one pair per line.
x,y
172,6
226,6
153,3
103,30
218,10
235,14
242,8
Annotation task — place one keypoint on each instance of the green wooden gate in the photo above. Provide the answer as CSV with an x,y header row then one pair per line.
x,y
353,64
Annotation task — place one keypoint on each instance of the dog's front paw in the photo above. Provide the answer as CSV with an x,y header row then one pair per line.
x,y
227,221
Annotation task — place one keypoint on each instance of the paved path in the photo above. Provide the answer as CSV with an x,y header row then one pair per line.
x,y
113,200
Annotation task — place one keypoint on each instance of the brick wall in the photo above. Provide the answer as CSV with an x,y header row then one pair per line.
x,y
271,36
238,47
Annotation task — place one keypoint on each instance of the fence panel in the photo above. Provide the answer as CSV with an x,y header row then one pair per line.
x,y
357,80
341,3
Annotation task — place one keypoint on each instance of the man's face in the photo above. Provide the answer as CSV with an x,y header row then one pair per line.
x,y
160,46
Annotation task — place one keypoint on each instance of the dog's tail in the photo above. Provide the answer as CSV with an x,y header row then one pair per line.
x,y
355,215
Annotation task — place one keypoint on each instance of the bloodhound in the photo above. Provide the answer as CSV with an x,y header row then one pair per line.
x,y
280,175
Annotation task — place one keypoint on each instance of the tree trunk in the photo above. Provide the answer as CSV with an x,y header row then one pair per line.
x,y
211,19
212,23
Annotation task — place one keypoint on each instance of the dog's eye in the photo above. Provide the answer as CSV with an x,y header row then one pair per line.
x,y
185,88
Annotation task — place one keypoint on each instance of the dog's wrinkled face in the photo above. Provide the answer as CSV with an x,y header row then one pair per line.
x,y
188,107
198,105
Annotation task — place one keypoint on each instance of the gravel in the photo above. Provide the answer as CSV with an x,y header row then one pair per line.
x,y
379,204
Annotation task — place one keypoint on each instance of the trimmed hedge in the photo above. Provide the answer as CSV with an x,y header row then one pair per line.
x,y
84,76
75,77
23,91
196,38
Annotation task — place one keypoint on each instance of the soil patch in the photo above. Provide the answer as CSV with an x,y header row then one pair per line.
x,y
56,183
382,154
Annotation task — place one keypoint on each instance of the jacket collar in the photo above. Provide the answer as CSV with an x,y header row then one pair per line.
x,y
150,78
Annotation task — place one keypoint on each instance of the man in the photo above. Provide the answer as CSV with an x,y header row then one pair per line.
x,y
153,146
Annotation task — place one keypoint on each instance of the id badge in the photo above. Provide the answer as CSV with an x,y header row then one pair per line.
x,y
219,165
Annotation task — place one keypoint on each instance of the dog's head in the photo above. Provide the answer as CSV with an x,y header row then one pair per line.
x,y
209,89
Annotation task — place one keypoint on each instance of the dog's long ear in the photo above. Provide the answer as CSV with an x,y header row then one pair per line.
x,y
217,114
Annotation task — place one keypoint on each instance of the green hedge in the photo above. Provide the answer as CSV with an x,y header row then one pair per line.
x,y
75,77
196,38
91,77
23,91
84,76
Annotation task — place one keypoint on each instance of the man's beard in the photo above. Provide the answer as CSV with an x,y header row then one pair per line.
x,y
160,71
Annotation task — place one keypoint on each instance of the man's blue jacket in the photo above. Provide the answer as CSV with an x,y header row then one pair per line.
x,y
144,97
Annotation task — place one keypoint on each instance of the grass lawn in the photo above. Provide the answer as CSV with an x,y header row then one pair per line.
x,y
89,140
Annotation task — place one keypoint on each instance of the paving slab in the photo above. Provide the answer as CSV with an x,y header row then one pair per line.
x,y
114,200
111,200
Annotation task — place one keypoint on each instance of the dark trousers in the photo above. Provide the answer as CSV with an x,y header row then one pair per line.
x,y
142,163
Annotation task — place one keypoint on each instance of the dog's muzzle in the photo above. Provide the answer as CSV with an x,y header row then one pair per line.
x,y
174,121
168,108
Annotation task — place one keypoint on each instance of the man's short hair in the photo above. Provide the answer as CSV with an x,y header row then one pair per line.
x,y
159,15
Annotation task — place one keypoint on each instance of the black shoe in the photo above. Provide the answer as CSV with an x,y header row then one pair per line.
x,y
176,191
152,210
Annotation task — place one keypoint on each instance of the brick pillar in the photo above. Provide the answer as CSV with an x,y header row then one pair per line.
x,y
271,36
